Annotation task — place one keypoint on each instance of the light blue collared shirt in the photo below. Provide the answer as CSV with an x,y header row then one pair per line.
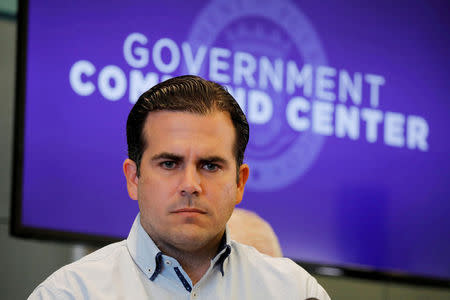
x,y
137,269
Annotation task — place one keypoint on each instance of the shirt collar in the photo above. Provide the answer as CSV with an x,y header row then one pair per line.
x,y
143,250
148,257
223,253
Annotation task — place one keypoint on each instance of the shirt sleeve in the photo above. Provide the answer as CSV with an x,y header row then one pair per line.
x,y
316,291
46,293
50,289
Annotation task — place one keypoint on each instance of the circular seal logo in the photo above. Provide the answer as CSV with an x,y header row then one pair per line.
x,y
276,30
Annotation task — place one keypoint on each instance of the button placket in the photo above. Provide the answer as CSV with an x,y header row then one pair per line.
x,y
183,280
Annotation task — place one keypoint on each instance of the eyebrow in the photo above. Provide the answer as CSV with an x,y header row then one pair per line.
x,y
167,155
214,159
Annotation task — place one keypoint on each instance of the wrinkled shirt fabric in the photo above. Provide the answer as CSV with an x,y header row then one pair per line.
x,y
136,269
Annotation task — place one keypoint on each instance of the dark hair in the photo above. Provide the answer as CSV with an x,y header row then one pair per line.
x,y
187,94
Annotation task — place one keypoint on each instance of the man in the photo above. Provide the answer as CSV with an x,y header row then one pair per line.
x,y
186,141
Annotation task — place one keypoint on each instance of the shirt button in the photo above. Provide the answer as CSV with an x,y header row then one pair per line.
x,y
194,294
168,262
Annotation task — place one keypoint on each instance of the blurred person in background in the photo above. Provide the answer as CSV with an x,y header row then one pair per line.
x,y
248,228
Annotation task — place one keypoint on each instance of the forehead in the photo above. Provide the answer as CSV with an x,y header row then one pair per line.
x,y
176,131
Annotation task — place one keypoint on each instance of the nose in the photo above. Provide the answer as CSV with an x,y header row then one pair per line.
x,y
190,183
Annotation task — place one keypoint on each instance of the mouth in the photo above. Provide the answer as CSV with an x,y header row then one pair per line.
x,y
189,210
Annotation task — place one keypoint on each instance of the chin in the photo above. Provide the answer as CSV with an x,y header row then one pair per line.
x,y
192,239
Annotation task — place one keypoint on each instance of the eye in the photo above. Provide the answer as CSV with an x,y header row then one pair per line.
x,y
211,167
168,165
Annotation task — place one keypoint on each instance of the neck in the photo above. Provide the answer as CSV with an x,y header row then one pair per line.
x,y
195,262
194,265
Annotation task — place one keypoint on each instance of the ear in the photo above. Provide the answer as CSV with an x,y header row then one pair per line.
x,y
130,171
244,171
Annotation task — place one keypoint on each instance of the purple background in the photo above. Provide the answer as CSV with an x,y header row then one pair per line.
x,y
359,204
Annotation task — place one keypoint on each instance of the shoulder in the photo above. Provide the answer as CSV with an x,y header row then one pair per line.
x,y
106,253
76,278
252,258
277,271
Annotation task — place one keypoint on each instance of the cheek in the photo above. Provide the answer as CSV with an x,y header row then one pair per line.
x,y
150,194
228,199
231,191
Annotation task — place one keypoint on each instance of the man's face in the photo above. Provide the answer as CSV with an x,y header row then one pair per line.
x,y
187,186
